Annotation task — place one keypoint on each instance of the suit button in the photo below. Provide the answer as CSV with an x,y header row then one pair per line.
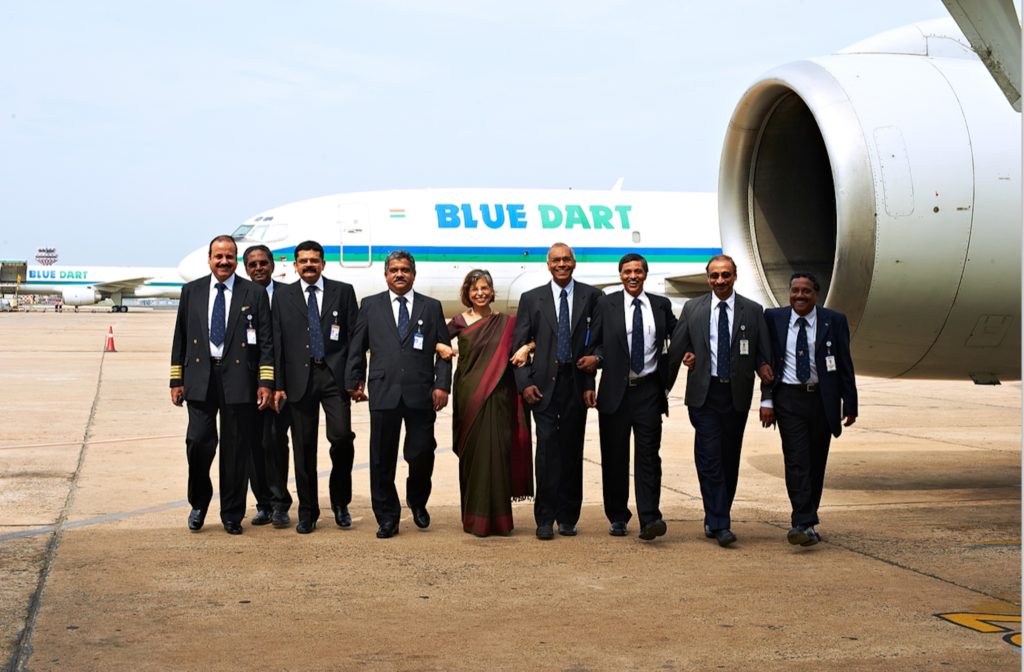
x,y
197,360
195,340
243,345
237,362
306,365
307,347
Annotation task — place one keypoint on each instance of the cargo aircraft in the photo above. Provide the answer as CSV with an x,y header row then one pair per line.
x,y
87,285
890,169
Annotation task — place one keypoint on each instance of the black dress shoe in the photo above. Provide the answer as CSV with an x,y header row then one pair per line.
x,y
305,526
196,519
567,530
262,517
618,529
545,532
804,535
708,533
233,528
342,517
387,529
725,537
655,529
280,519
421,517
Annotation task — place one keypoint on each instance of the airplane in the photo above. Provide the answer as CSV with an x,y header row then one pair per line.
x,y
890,169
88,285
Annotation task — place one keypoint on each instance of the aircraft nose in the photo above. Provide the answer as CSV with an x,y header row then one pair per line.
x,y
194,265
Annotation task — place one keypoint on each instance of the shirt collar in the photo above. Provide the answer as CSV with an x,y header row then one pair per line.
x,y
811,317
731,301
627,298
229,283
557,289
394,297
319,284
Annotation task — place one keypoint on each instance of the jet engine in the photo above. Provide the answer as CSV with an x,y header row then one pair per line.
x,y
81,296
890,170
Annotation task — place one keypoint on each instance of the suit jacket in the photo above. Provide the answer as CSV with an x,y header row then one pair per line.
x,y
838,389
613,346
693,334
291,333
399,372
537,322
243,364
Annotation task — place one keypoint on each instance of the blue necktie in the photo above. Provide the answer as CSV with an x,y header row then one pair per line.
x,y
217,328
636,348
803,356
724,345
316,336
564,353
403,318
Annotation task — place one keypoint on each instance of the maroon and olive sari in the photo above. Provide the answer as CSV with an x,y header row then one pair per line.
x,y
491,427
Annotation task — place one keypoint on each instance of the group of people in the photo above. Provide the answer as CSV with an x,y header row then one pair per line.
x,y
267,356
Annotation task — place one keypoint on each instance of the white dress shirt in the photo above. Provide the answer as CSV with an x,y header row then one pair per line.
x,y
218,350
730,313
650,354
789,372
556,292
270,293
319,293
409,298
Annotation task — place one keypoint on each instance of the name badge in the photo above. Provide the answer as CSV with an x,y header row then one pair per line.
x,y
744,346
335,332
830,363
417,341
250,336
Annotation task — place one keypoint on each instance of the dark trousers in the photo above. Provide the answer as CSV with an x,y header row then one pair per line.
x,y
559,457
805,441
385,428
638,413
716,452
268,461
237,422
322,390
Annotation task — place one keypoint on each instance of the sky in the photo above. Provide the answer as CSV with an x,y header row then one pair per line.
x,y
131,133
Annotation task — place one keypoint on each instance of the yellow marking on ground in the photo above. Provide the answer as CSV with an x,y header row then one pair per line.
x,y
986,623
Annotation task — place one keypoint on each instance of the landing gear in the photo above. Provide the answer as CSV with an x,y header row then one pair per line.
x,y
119,309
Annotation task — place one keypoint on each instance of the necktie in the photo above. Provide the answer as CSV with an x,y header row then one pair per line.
x,y
564,353
803,357
724,345
403,318
636,348
316,336
217,328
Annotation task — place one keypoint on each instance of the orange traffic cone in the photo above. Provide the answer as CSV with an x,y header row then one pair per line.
x,y
109,347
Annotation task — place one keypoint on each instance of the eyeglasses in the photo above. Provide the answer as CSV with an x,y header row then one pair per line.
x,y
724,275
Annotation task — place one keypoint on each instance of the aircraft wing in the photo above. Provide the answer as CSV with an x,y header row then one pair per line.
x,y
122,285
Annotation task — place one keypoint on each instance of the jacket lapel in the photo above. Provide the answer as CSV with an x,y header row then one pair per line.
x,y
330,306
822,328
239,297
703,315
414,318
617,319
548,309
204,304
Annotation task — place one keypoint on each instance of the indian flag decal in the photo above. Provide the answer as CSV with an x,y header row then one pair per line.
x,y
396,213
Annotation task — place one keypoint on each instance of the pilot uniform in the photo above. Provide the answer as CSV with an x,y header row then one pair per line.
x,y
221,379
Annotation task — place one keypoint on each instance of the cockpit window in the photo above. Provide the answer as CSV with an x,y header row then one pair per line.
x,y
241,231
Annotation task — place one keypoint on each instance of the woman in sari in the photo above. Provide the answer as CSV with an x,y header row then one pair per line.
x,y
491,428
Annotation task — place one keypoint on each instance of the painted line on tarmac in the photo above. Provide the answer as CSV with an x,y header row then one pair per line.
x,y
893,563
91,443
22,649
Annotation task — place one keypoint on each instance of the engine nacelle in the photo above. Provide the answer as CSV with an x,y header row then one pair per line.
x,y
81,296
890,170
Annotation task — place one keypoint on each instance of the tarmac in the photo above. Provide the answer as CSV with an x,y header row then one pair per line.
x,y
920,567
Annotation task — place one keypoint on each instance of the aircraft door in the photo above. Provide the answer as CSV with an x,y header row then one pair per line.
x,y
354,225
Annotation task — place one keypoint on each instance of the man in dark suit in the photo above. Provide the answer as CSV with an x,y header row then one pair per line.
x,y
813,398
222,346
268,460
313,323
408,383
722,340
558,387
634,327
